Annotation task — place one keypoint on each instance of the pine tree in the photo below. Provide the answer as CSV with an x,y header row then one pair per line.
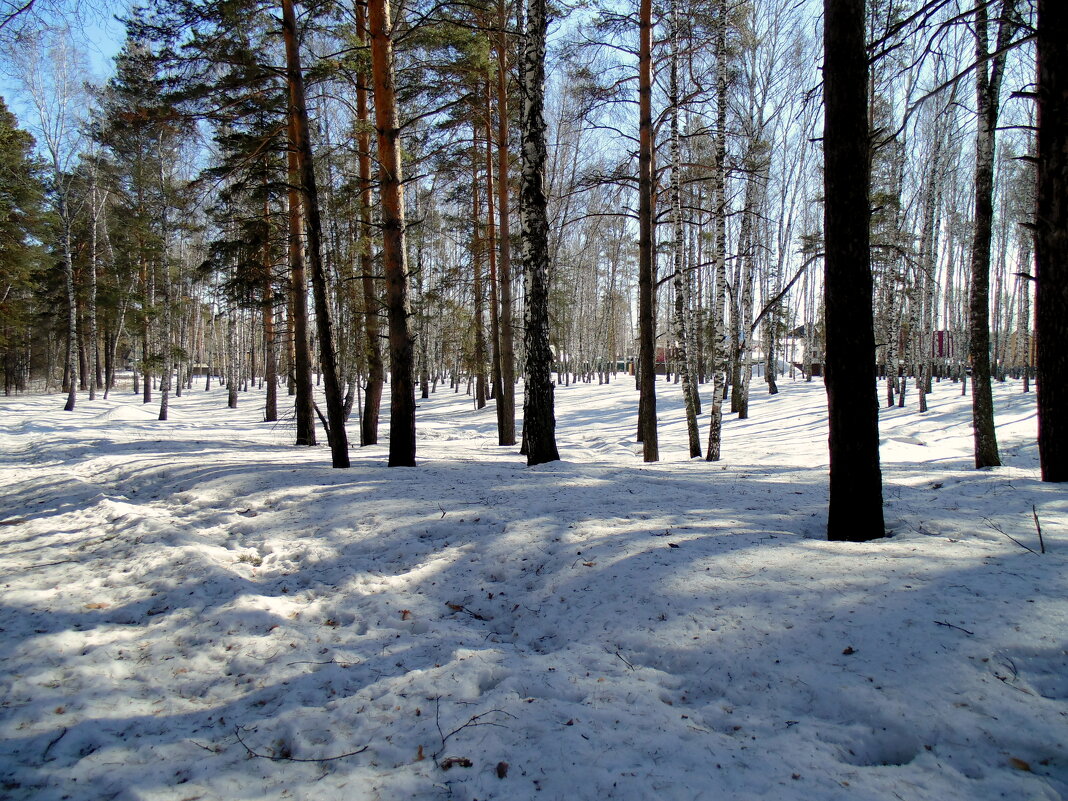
x,y
300,142
21,258
398,305
139,134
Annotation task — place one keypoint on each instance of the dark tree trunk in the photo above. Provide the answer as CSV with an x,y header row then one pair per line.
x,y
646,240
167,351
376,373
539,420
856,506
476,269
1051,240
506,400
94,335
270,348
304,400
394,258
146,335
987,90
491,259
335,411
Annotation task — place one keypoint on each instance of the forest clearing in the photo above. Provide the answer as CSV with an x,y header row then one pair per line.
x,y
196,609
469,400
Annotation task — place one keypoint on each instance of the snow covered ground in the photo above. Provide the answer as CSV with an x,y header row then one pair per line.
x,y
198,610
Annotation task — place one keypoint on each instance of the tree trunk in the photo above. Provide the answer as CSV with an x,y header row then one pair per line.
x,y
1051,240
166,349
94,258
302,379
682,327
646,239
270,348
479,320
856,510
743,307
506,401
72,306
539,421
987,90
1022,355
491,257
231,359
376,373
146,331
401,341
719,225
301,143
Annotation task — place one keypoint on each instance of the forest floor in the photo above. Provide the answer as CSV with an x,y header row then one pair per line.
x,y
197,609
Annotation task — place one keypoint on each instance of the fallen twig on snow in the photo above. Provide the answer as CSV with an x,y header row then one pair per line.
x,y
462,608
55,740
473,721
1000,530
951,626
621,659
273,758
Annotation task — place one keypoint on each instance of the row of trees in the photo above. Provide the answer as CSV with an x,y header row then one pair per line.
x,y
241,163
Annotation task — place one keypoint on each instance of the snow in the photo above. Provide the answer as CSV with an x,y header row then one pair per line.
x,y
180,596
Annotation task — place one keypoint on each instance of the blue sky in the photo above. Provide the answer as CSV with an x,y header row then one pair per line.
x,y
98,36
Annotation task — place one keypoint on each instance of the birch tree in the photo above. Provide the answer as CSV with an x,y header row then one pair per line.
x,y
46,68
539,417
681,281
989,71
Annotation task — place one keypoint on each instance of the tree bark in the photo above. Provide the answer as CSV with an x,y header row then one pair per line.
x,y
682,327
301,144
1051,240
376,373
491,258
506,401
301,350
270,348
72,305
719,226
477,248
146,330
394,257
166,349
539,421
646,240
231,358
987,90
855,511
94,259
1022,351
